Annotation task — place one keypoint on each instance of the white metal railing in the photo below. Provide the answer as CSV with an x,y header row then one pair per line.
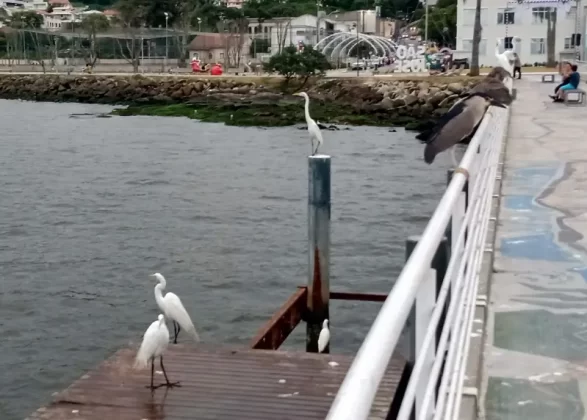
x,y
416,285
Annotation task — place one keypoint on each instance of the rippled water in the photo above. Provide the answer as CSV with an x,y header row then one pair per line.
x,y
91,206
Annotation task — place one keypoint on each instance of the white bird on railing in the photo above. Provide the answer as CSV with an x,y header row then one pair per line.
x,y
324,337
503,59
313,129
155,342
173,309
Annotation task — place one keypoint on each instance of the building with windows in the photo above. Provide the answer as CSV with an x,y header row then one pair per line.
x,y
521,26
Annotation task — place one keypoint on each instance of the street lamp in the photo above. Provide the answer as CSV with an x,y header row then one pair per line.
x,y
166,40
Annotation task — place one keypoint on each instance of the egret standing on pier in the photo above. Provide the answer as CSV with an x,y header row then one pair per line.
x,y
313,129
324,337
155,342
173,309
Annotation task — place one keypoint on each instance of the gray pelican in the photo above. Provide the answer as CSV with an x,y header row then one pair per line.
x,y
493,86
462,119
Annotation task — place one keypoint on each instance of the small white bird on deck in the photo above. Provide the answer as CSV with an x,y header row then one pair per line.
x,y
315,133
324,337
155,342
171,306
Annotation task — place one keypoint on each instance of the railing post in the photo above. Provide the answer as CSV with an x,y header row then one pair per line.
x,y
458,214
318,249
419,320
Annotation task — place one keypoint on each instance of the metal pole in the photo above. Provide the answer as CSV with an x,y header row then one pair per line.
x,y
166,41
426,26
357,46
317,22
318,248
414,337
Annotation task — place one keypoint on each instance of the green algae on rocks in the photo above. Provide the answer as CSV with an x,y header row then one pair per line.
x,y
273,115
259,101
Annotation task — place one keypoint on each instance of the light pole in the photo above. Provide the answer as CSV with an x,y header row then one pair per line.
x,y
166,40
357,47
426,26
318,22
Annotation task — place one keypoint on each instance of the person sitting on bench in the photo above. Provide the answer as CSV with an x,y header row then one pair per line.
x,y
566,74
573,83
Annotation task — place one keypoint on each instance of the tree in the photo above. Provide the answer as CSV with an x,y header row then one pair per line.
x,y
290,63
91,25
132,17
476,41
188,13
29,21
442,24
551,37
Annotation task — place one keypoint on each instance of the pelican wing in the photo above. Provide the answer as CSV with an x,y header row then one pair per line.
x,y
493,89
148,346
456,125
175,311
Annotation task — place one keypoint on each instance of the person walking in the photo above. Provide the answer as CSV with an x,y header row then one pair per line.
x,y
517,66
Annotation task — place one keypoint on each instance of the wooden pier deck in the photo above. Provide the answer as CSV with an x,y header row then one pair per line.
x,y
216,384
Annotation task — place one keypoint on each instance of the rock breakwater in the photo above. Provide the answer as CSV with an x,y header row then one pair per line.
x,y
252,101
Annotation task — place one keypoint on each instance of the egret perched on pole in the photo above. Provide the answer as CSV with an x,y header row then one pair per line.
x,y
155,342
173,309
324,337
313,129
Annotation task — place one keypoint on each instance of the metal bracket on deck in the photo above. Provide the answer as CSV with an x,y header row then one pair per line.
x,y
481,301
489,249
470,391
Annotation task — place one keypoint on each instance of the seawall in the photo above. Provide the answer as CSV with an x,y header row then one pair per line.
x,y
385,101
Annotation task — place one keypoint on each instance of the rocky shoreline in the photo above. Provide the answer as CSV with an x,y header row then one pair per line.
x,y
414,103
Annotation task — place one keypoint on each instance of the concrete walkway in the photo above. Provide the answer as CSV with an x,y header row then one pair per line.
x,y
536,352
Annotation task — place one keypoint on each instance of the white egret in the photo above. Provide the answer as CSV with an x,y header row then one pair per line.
x,y
503,59
313,129
324,337
155,342
171,306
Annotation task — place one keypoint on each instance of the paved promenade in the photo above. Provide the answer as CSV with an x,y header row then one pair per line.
x,y
536,353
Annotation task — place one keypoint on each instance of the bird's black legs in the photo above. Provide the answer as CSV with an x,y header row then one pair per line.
x,y
167,383
152,374
176,330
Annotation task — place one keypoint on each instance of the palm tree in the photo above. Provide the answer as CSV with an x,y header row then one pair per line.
x,y
476,41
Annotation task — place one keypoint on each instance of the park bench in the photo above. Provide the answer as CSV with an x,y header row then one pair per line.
x,y
574,97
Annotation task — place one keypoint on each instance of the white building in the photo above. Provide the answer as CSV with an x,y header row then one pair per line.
x,y
299,30
526,21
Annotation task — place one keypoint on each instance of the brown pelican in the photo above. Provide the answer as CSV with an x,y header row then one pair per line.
x,y
462,119
493,86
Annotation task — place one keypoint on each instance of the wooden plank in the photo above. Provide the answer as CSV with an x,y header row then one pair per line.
x,y
217,383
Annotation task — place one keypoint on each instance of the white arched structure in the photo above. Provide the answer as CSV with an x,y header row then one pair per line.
x,y
336,46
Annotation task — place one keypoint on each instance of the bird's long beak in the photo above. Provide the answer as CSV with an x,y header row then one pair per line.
x,y
151,275
297,94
